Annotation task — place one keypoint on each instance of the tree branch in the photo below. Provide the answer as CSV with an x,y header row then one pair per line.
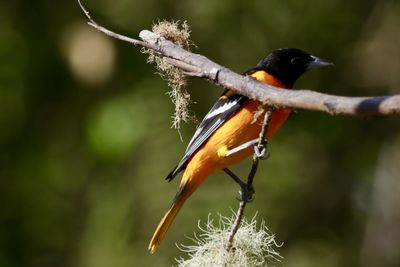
x,y
294,99
199,66
113,34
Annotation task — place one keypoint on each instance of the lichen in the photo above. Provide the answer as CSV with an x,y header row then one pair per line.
x,y
252,245
179,34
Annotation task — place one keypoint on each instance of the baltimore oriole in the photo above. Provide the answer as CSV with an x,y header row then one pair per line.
x,y
230,124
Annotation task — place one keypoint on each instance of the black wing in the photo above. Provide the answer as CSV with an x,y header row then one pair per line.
x,y
226,106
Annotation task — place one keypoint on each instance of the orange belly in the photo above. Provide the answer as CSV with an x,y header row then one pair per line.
x,y
238,130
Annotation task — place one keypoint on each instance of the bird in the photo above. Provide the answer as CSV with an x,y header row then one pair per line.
x,y
230,124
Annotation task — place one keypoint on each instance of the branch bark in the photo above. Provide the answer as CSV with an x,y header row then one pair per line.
x,y
199,66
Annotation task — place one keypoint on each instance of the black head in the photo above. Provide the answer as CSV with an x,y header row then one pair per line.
x,y
288,64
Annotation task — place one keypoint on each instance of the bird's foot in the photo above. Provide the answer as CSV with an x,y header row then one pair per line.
x,y
247,193
261,151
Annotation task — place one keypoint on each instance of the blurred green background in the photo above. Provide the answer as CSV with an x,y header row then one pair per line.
x,y
85,139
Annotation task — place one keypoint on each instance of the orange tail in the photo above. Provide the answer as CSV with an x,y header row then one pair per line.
x,y
194,175
167,220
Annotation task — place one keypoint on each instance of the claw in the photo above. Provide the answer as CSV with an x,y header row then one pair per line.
x,y
260,151
246,193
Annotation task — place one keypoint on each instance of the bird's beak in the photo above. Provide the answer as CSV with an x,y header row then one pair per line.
x,y
318,62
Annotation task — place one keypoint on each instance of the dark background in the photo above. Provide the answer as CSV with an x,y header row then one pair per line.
x,y
85,137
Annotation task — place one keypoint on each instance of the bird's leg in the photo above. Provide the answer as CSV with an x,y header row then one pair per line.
x,y
246,190
260,151
241,147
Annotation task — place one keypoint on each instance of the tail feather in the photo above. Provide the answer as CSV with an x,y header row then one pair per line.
x,y
166,221
192,178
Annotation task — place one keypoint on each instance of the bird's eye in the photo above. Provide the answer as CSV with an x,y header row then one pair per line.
x,y
296,61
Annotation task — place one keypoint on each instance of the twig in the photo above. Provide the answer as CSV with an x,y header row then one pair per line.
x,y
113,34
199,66
261,147
236,224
